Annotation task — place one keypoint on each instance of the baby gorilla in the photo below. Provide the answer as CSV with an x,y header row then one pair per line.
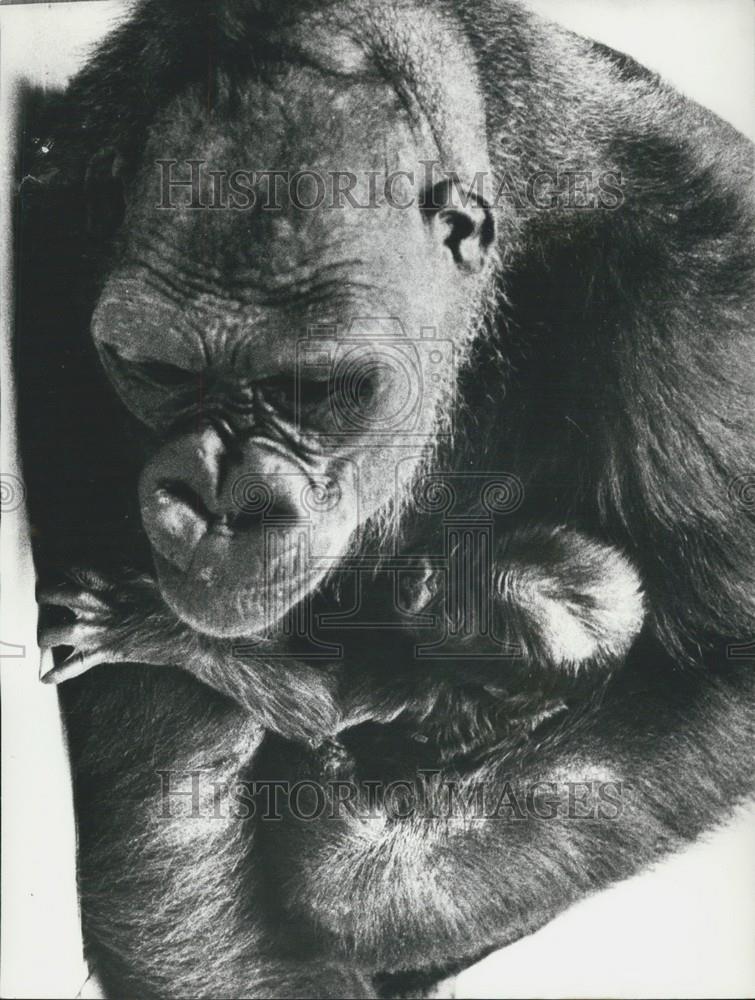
x,y
561,605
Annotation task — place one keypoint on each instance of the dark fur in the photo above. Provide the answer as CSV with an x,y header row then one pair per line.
x,y
624,344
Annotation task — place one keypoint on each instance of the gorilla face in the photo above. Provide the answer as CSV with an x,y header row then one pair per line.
x,y
295,290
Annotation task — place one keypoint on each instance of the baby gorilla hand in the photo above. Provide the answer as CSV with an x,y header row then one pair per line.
x,y
130,623
127,623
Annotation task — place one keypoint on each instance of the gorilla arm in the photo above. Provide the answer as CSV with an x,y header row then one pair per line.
x,y
561,601
610,790
629,335
127,622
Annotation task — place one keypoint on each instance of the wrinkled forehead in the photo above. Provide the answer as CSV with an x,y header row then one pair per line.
x,y
393,83
296,118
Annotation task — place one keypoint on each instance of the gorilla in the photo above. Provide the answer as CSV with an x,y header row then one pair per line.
x,y
386,406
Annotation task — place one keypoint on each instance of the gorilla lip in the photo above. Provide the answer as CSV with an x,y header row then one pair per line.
x,y
177,529
209,591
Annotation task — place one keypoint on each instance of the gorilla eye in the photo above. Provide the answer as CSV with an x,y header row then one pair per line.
x,y
312,392
154,373
287,392
160,373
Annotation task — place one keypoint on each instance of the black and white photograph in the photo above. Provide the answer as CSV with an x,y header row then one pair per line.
x,y
378,499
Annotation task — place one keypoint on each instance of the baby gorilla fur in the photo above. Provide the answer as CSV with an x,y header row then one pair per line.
x,y
561,602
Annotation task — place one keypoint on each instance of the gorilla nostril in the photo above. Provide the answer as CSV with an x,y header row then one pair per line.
x,y
236,518
175,520
181,492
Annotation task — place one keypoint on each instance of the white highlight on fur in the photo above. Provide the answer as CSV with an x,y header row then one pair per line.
x,y
580,599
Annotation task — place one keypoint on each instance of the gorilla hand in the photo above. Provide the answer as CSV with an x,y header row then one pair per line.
x,y
129,623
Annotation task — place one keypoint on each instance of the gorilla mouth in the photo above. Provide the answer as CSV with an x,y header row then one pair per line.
x,y
210,598
226,573
177,524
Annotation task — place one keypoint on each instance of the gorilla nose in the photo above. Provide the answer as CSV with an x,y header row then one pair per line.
x,y
173,523
194,486
178,492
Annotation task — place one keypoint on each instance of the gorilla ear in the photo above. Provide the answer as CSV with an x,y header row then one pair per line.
x,y
461,221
